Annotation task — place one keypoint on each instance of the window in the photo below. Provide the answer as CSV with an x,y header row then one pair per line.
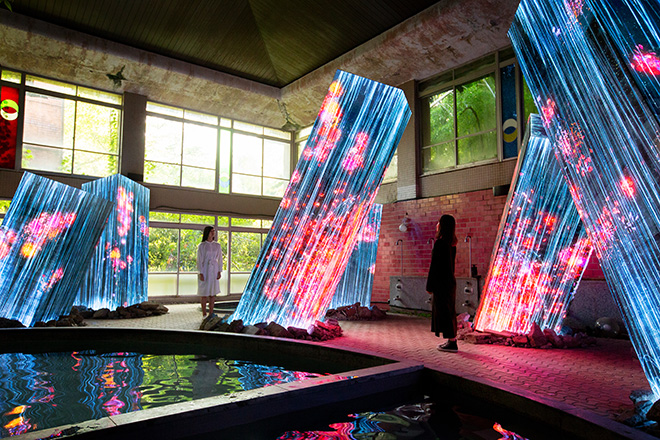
x,y
259,165
180,147
70,129
460,109
191,149
173,242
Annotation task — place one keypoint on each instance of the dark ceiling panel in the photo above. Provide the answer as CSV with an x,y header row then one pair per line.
x,y
271,41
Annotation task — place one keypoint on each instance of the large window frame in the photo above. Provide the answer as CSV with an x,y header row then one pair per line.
x,y
181,281
225,166
80,152
452,81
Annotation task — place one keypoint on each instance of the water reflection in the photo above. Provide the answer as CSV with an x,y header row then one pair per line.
x,y
39,391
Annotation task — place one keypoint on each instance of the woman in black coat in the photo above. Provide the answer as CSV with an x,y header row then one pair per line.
x,y
441,283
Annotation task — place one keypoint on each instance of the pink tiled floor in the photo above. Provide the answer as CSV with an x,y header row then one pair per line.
x,y
598,379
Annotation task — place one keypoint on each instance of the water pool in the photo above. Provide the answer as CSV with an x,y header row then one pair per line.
x,y
44,390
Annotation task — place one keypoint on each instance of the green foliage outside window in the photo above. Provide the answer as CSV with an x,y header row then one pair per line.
x,y
245,247
163,248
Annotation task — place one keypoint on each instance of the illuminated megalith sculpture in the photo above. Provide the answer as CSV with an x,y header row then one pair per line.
x,y
330,193
358,279
594,71
118,271
542,248
46,241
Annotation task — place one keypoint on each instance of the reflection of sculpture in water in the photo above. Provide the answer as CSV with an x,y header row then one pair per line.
x,y
204,377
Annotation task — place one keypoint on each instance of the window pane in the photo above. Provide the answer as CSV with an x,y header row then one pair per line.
x,y
223,221
163,140
200,117
274,187
93,164
162,173
49,120
440,110
198,178
245,247
529,104
277,159
277,133
187,284
246,184
391,173
222,238
238,282
266,224
246,222
97,128
161,284
200,145
49,84
225,160
46,159
244,126
9,76
246,155
4,206
190,239
225,123
208,220
477,148
163,217
304,132
164,109
163,244
475,106
438,157
98,95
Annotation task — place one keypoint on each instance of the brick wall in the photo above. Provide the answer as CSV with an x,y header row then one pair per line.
x,y
477,214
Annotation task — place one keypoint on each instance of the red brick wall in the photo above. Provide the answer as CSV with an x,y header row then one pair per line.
x,y
477,214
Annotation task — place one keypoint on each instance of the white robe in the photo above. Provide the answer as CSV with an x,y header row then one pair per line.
x,y
209,263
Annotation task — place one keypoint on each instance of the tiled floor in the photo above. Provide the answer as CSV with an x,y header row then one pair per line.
x,y
598,378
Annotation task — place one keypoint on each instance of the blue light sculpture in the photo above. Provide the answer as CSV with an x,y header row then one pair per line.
x,y
118,271
593,69
358,279
542,248
329,195
46,242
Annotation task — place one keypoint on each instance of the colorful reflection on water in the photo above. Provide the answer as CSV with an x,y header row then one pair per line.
x,y
419,421
39,391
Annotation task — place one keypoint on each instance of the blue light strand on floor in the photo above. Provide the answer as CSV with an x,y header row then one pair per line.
x,y
118,271
542,248
47,239
597,90
330,193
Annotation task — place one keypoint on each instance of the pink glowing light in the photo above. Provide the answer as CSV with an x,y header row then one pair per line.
x,y
645,61
548,111
7,239
124,210
507,435
355,157
628,187
43,229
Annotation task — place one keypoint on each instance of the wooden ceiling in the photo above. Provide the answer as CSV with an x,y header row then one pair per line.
x,y
273,42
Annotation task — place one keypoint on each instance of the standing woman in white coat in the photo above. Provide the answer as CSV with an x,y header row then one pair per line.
x,y
209,266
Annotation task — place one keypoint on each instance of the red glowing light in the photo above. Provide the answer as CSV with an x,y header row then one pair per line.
x,y
508,435
645,62
355,157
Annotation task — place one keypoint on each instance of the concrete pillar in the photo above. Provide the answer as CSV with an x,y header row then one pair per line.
x,y
407,182
132,133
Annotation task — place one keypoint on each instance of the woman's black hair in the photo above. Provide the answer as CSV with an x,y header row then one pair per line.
x,y
447,230
207,231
